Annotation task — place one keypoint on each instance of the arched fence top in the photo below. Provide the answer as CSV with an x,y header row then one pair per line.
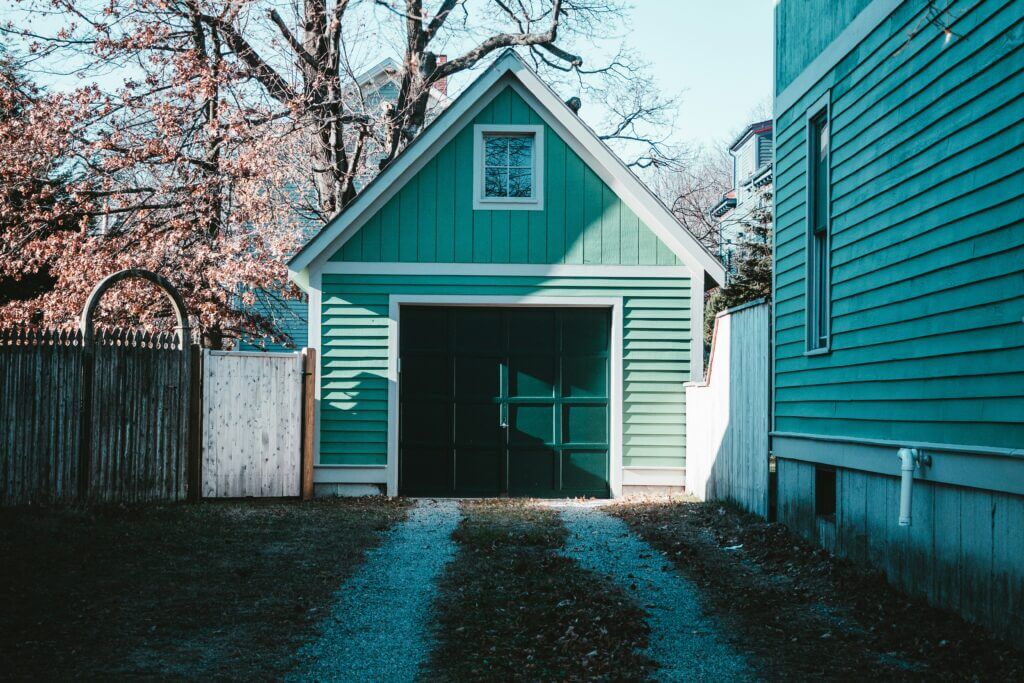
x,y
88,313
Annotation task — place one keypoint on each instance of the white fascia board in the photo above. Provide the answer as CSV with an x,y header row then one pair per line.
x,y
509,270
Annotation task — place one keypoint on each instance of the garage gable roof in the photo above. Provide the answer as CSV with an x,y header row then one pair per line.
x,y
509,67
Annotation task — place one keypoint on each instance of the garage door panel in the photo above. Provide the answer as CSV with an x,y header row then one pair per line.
x,y
531,424
426,376
585,331
426,423
532,376
585,423
478,377
532,472
420,329
479,471
532,330
585,472
478,424
479,330
584,376
426,471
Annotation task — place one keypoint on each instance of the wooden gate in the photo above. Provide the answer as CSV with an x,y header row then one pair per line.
x,y
252,424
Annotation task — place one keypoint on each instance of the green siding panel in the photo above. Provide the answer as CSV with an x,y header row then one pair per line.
x,y
656,363
928,235
431,219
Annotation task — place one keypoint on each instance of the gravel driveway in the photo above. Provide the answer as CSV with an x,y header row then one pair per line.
x,y
686,644
379,628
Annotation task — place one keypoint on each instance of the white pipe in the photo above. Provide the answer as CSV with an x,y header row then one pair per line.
x,y
908,462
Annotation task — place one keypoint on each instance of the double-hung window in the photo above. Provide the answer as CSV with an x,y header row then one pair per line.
x,y
818,232
508,167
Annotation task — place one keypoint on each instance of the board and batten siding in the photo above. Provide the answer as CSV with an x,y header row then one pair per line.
x,y
927,179
354,354
431,219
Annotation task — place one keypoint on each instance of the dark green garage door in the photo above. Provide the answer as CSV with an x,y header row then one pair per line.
x,y
503,401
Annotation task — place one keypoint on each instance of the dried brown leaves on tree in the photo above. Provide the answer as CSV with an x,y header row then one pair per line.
x,y
202,138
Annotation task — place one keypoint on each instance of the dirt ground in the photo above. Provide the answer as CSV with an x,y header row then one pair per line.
x,y
511,608
215,590
802,614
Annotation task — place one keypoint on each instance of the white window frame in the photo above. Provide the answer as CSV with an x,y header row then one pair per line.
x,y
815,347
535,202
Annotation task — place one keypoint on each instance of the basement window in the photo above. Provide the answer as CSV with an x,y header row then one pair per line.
x,y
824,492
508,167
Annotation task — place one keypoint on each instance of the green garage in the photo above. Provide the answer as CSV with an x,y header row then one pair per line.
x,y
505,310
504,401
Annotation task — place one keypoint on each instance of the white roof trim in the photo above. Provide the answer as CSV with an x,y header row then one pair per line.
x,y
555,113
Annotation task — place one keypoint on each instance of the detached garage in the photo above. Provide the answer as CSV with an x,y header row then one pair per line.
x,y
505,310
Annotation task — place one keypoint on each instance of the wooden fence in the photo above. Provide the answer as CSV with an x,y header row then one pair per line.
x,y
727,415
122,420
109,423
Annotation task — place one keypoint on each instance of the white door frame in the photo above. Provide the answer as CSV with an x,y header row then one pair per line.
x,y
396,301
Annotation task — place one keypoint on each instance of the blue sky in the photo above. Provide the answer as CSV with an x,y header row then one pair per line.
x,y
718,53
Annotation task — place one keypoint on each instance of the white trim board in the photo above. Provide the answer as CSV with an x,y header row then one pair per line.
x,y
863,24
510,68
980,468
616,384
502,270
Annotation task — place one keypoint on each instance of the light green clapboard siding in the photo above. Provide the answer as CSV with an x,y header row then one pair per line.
x,y
431,219
656,362
928,236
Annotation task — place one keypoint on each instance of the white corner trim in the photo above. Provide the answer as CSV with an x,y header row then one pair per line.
x,y
315,310
616,395
863,24
504,270
535,202
555,113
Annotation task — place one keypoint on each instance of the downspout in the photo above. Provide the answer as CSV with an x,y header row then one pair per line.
x,y
910,460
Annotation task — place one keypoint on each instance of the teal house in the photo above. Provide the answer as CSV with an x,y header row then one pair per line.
x,y
505,310
898,423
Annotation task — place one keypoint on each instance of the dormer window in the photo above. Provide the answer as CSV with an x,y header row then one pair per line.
x,y
508,167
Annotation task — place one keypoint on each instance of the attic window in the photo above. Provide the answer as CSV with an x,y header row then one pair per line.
x,y
508,163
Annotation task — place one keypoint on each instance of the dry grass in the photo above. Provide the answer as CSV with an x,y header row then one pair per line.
x,y
512,608
802,614
220,589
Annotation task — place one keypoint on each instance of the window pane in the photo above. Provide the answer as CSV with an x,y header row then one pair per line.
x,y
496,150
520,150
821,272
520,182
496,182
821,153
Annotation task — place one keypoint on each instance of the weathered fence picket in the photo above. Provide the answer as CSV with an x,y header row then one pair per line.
x,y
129,443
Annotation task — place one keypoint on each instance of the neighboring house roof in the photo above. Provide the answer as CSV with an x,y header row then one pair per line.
x,y
724,205
580,137
753,129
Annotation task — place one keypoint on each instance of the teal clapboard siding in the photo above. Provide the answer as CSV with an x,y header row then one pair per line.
x,y
927,235
806,27
431,219
656,342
